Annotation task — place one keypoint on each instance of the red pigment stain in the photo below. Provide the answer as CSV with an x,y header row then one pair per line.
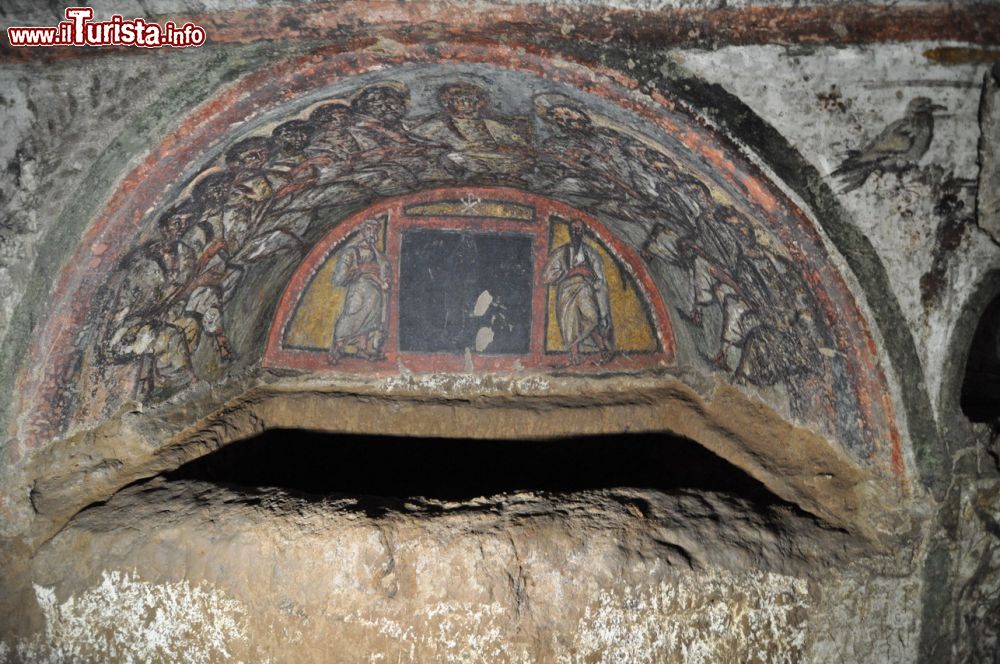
x,y
145,187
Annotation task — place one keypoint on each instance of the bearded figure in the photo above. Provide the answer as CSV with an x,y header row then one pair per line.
x,y
583,310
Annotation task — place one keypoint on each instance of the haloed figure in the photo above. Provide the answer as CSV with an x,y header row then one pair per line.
x,y
582,307
363,270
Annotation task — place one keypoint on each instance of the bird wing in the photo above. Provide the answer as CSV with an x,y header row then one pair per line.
x,y
896,139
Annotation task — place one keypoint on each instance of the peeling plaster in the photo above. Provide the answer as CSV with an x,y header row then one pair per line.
x,y
827,100
129,620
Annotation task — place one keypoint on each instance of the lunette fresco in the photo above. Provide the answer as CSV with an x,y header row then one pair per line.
x,y
480,278
194,297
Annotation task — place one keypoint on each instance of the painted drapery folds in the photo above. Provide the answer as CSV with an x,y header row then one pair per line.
x,y
471,278
454,209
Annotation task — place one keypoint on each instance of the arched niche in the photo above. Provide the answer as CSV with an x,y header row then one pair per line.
x,y
968,390
170,301
980,390
480,279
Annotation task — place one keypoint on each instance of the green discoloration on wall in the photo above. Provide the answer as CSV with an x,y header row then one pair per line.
x,y
797,173
64,234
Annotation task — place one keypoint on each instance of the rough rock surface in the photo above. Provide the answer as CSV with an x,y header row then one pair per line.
x,y
169,571
601,576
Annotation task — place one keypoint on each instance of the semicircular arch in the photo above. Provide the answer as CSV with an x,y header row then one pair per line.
x,y
179,279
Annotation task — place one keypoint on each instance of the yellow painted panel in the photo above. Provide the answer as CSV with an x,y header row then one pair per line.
x,y
491,209
633,330
320,305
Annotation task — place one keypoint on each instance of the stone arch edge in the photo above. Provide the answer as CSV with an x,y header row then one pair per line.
x,y
888,490
796,464
794,171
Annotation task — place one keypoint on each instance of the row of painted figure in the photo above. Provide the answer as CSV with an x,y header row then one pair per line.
x,y
276,194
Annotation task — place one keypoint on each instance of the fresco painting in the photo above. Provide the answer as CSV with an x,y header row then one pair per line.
x,y
464,282
677,230
345,310
363,274
628,327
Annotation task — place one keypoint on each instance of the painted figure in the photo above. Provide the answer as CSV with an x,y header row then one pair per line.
x,y
583,309
364,271
667,192
377,116
148,325
391,160
582,161
279,229
324,177
208,234
479,142
249,193
330,138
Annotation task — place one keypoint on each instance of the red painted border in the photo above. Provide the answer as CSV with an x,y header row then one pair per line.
x,y
277,356
148,185
524,24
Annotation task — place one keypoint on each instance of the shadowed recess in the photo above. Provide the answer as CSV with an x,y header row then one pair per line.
x,y
981,387
462,469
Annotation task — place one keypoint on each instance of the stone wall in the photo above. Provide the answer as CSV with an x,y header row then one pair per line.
x,y
792,213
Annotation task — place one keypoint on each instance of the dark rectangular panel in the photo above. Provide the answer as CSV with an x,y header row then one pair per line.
x,y
442,276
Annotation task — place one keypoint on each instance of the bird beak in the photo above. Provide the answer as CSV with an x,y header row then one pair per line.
x,y
938,107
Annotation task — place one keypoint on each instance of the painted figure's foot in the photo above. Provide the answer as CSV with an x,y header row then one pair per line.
x,y
335,355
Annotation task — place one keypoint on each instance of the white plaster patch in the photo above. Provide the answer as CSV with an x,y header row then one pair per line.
x,y
123,619
484,337
828,100
448,632
698,619
464,383
483,303
713,617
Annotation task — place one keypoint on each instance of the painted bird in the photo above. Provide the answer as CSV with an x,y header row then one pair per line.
x,y
896,149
